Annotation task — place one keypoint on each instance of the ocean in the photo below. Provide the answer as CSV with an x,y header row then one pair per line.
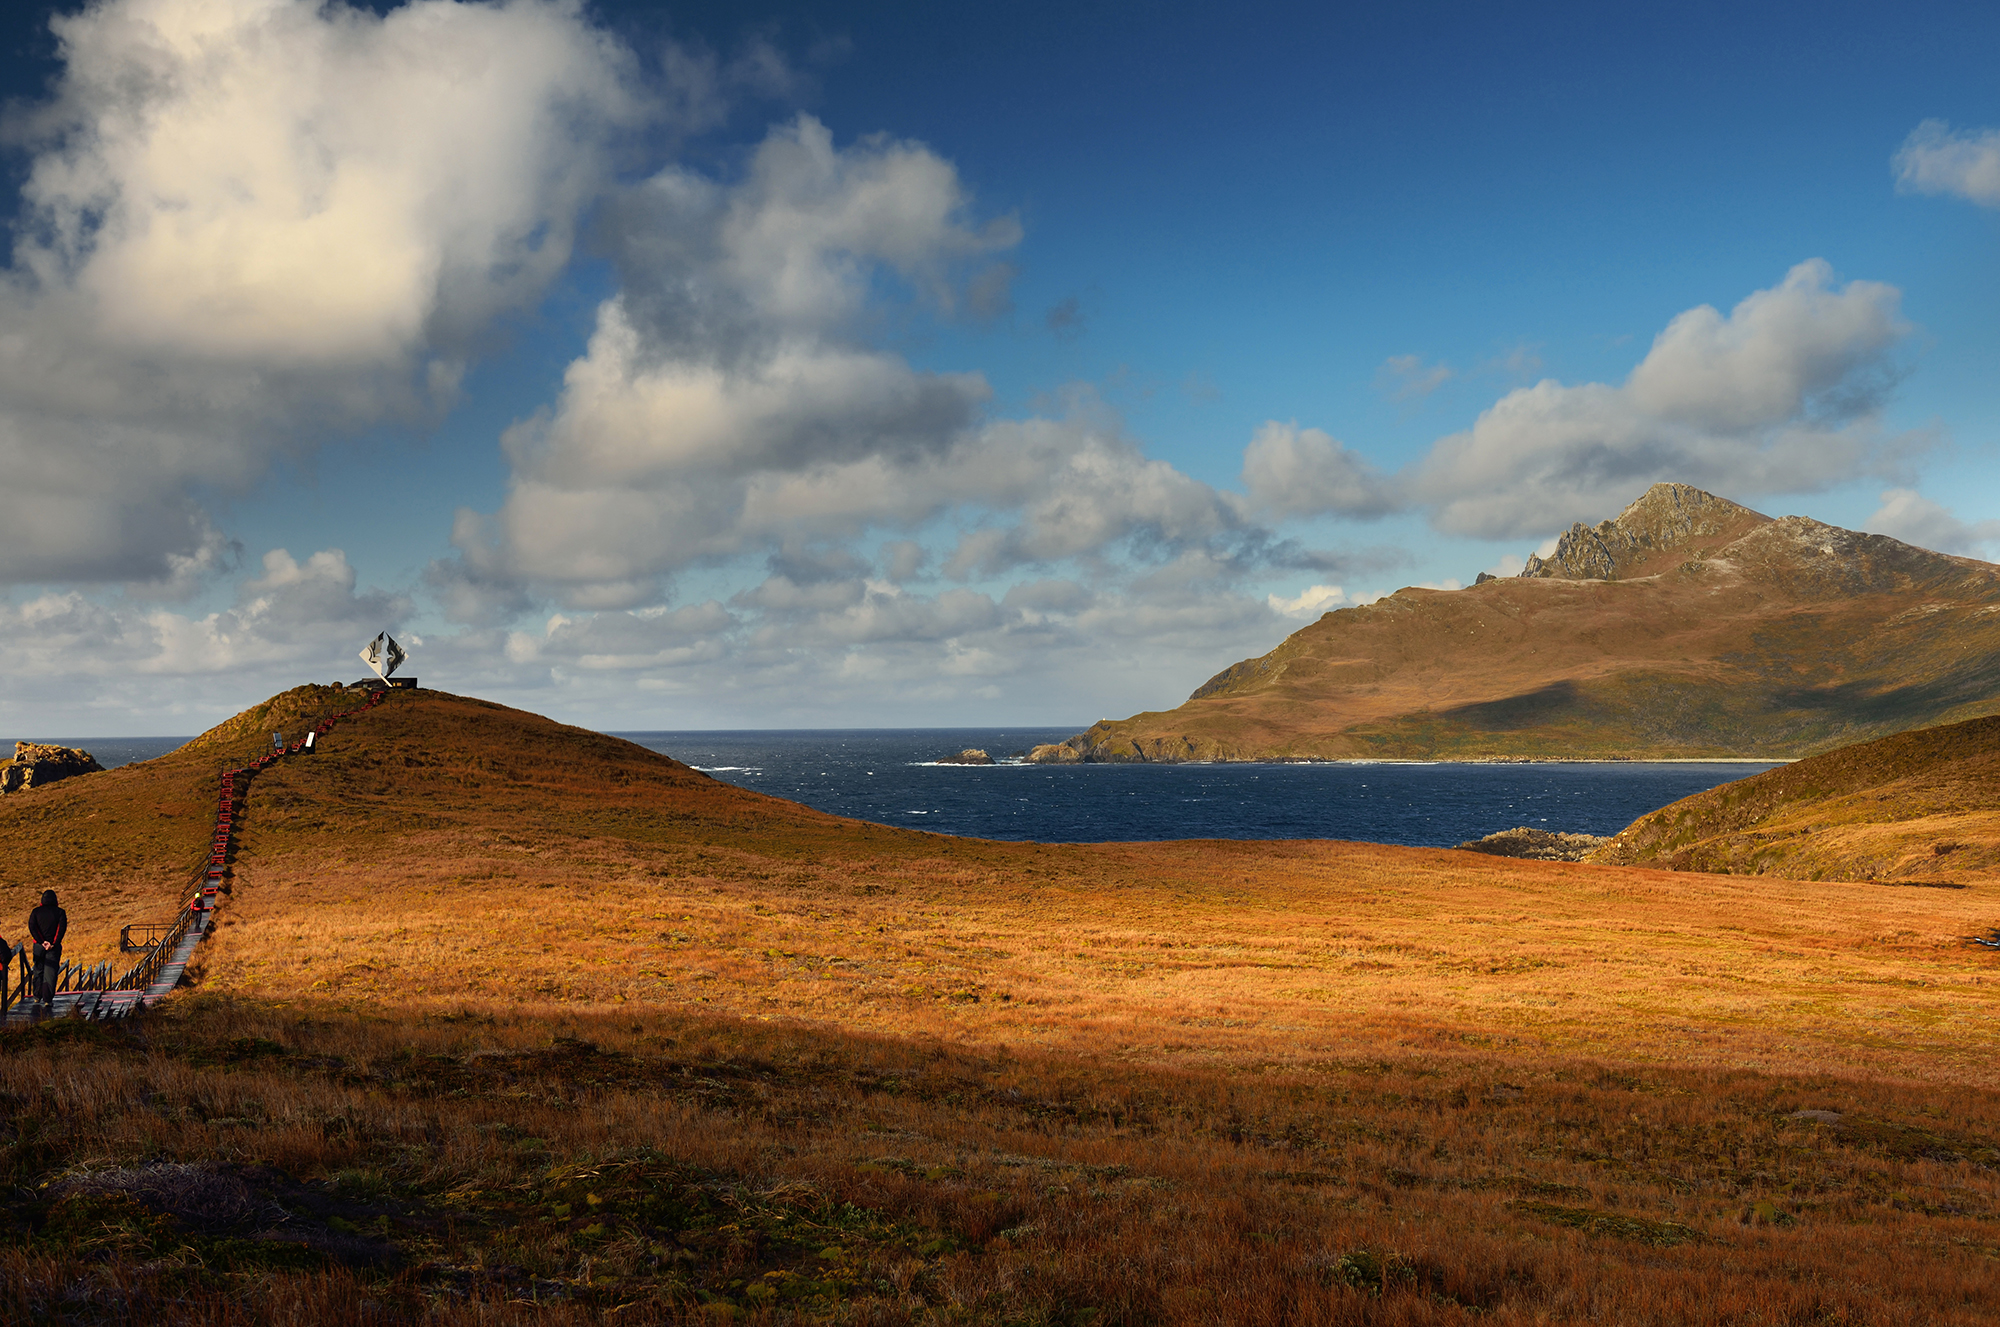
x,y
891,776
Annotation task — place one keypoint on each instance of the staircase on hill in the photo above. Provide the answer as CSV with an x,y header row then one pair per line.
x,y
92,992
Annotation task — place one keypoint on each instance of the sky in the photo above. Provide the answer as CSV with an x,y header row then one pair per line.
x,y
908,365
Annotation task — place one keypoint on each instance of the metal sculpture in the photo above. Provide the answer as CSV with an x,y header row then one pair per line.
x,y
383,655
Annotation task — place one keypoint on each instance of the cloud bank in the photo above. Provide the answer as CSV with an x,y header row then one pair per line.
x,y
1783,394
247,227
730,404
1907,515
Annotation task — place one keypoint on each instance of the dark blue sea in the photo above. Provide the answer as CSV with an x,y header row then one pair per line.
x,y
890,776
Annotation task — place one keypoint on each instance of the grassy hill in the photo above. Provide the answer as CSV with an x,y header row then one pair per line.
x,y
1921,806
1686,627
508,1022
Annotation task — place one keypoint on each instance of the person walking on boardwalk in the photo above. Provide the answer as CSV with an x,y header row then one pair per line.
x,y
46,926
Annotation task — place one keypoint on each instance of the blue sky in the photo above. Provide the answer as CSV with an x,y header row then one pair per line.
x,y
746,365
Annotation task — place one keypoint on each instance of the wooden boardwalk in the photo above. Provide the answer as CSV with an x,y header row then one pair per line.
x,y
155,975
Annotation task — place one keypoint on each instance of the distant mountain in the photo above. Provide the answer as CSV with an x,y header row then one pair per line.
x,y
1687,626
1918,808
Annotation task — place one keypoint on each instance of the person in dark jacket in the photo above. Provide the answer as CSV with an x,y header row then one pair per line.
x,y
46,927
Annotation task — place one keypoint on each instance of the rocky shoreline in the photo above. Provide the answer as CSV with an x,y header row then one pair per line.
x,y
1539,845
38,764
1075,752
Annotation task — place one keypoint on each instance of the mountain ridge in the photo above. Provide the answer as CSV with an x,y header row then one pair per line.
x,y
1703,629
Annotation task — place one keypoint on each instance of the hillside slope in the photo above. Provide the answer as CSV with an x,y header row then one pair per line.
x,y
442,850
1686,627
122,845
1918,807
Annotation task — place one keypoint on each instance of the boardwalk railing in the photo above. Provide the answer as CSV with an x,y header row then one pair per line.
x,y
164,943
70,977
147,970
10,957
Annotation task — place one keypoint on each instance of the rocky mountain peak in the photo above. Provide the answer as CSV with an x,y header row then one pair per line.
x,y
1668,523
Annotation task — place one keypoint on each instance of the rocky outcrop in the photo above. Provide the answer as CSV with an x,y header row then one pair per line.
x,y
36,765
1104,745
1666,519
1539,845
972,755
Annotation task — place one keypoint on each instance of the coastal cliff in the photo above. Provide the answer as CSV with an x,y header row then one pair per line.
x,y
1686,627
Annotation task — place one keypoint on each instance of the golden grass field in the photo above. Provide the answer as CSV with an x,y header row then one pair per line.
x,y
1921,806
515,1022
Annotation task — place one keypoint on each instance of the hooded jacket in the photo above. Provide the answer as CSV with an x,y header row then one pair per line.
x,y
47,922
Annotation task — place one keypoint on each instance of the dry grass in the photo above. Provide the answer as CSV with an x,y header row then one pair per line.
x,y
548,1165
1922,805
1181,953
477,968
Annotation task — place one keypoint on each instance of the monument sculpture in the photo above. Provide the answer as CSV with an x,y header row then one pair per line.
x,y
384,655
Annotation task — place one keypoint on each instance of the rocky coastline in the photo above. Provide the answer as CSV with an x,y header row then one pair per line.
x,y
1540,845
39,764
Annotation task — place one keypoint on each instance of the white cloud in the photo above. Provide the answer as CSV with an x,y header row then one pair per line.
x,y
1936,159
1907,515
722,402
796,652
1309,603
728,402
1408,378
247,225
1781,395
1289,471
294,619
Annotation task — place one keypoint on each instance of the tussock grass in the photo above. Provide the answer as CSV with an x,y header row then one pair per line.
x,y
508,1023
1919,808
500,1164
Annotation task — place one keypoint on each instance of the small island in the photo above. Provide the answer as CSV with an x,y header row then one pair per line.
x,y
972,755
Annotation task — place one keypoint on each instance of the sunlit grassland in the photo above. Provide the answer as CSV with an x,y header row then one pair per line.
x,y
1190,951
515,1024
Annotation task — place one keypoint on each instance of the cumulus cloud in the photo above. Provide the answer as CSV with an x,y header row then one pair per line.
x,y
1907,515
722,402
1309,603
1290,471
792,650
1780,395
1937,159
246,225
729,401
292,617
